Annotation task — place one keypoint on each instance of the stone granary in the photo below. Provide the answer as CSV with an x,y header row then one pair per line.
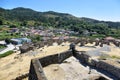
x,y
109,39
26,47
37,66
39,44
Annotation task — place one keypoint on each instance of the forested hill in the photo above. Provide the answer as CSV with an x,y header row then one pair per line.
x,y
28,17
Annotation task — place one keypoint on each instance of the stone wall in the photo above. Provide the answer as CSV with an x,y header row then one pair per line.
x,y
64,55
54,59
36,72
99,64
109,68
82,56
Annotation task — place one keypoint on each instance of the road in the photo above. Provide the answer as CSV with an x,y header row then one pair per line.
x,y
9,47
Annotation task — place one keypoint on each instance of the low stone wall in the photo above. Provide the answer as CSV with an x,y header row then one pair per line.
x,y
82,56
99,64
109,68
64,55
54,59
36,71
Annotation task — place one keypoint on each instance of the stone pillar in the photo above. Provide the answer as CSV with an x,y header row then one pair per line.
x,y
72,47
82,43
101,45
96,43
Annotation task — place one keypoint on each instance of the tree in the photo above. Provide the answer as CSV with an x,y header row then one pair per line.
x,y
12,26
7,41
1,22
38,38
24,23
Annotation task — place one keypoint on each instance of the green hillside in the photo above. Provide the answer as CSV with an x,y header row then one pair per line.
x,y
28,17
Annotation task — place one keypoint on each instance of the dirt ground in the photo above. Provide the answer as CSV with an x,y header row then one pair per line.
x,y
16,65
114,51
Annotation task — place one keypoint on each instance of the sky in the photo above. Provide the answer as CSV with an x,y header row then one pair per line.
x,y
107,10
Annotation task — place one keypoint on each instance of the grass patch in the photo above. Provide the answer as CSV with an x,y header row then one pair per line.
x,y
115,57
4,35
6,54
1,47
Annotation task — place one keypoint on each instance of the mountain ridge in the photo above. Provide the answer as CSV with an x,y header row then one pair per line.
x,y
49,18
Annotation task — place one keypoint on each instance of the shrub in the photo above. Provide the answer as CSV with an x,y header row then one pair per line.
x,y
7,41
6,54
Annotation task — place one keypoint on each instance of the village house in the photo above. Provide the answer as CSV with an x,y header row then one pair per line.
x,y
14,30
18,41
